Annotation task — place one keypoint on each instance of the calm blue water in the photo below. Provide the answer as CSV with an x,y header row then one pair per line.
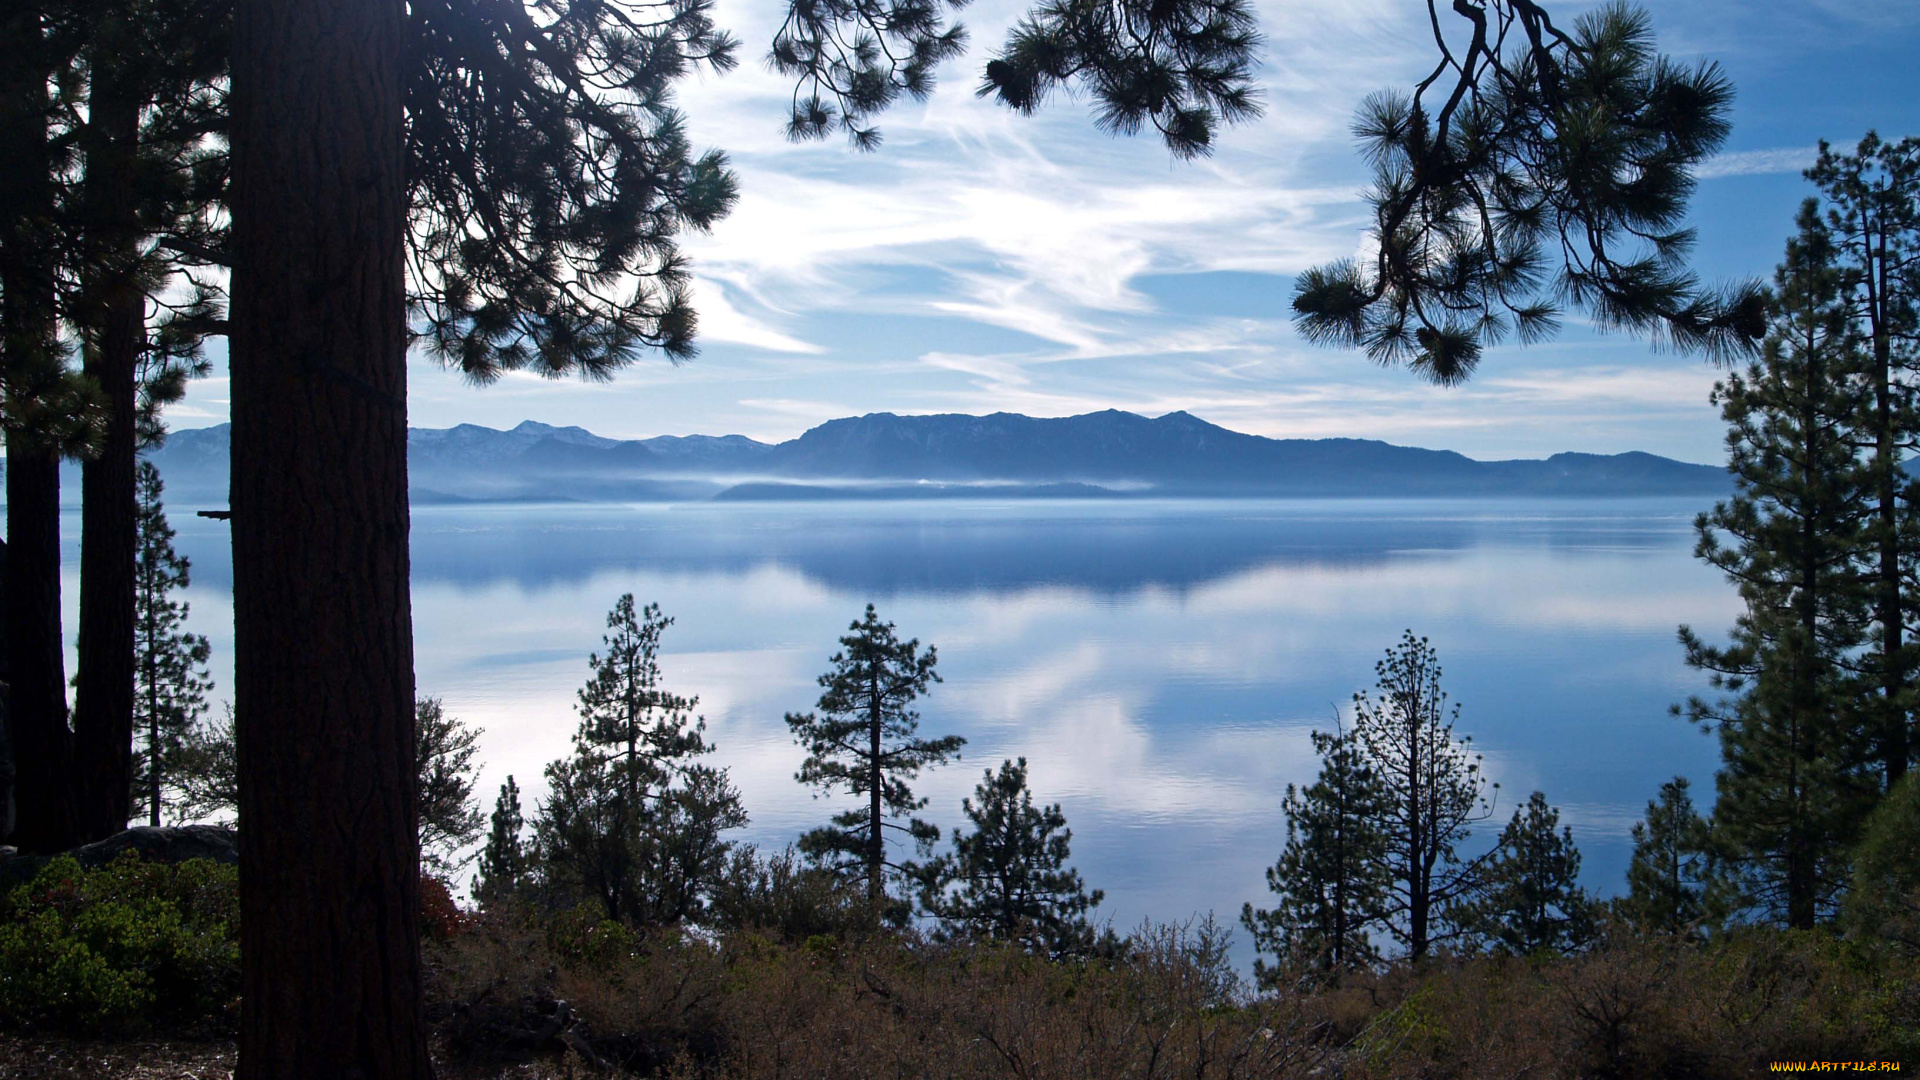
x,y
1159,664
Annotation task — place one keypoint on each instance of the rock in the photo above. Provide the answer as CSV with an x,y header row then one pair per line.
x,y
165,843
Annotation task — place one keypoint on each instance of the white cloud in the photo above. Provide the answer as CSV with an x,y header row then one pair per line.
x,y
1791,159
721,321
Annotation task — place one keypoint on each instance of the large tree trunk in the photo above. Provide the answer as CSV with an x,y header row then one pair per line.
x,y
37,702
37,694
103,694
323,650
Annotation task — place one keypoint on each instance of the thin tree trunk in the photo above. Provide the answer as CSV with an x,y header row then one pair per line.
x,y
323,644
1420,878
1801,885
153,767
876,841
1896,749
103,695
146,573
1890,615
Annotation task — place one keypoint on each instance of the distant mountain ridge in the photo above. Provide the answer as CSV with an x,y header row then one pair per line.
x,y
884,455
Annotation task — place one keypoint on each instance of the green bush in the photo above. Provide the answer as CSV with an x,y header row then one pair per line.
x,y
1885,901
120,948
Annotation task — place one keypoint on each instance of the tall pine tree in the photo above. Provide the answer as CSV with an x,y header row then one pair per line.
x,y
1873,231
1332,876
47,411
170,674
152,172
1791,539
1435,792
864,741
631,822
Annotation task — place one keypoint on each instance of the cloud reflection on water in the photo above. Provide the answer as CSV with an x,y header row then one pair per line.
x,y
1160,665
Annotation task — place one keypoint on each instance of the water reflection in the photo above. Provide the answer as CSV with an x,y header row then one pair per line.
x,y
1159,665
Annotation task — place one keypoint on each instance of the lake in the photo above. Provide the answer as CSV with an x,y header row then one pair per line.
x,y
1159,664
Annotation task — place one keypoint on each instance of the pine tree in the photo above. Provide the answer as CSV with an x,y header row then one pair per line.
x,y
503,861
46,411
205,772
152,171
449,817
1873,228
1434,794
1791,539
631,822
1669,886
1331,878
1530,900
1008,879
863,741
170,675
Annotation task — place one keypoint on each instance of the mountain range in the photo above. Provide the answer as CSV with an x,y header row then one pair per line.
x,y
883,455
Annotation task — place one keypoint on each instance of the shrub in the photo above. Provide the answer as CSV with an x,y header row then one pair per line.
x,y
1885,901
440,916
781,897
122,947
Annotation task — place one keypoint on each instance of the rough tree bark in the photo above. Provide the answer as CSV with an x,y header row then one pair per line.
x,y
44,802
37,694
323,651
103,692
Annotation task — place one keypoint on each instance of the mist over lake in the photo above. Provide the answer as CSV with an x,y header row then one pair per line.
x,y
1159,663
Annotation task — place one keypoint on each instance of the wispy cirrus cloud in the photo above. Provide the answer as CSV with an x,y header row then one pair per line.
x,y
1791,159
982,260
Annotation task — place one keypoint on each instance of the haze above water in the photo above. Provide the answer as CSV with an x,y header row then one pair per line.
x,y
1160,664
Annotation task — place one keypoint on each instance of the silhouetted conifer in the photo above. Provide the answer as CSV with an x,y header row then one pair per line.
x,y
1332,876
631,822
1670,887
449,816
1873,235
1008,878
1792,540
1530,899
1434,794
170,672
863,741
143,210
503,861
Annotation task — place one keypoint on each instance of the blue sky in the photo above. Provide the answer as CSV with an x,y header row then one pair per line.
x,y
982,261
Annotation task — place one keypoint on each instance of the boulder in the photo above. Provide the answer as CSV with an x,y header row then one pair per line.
x,y
164,843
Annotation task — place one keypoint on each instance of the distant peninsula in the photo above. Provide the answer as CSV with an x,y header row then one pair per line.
x,y
1111,454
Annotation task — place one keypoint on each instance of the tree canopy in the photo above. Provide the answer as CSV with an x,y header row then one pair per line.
x,y
864,740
